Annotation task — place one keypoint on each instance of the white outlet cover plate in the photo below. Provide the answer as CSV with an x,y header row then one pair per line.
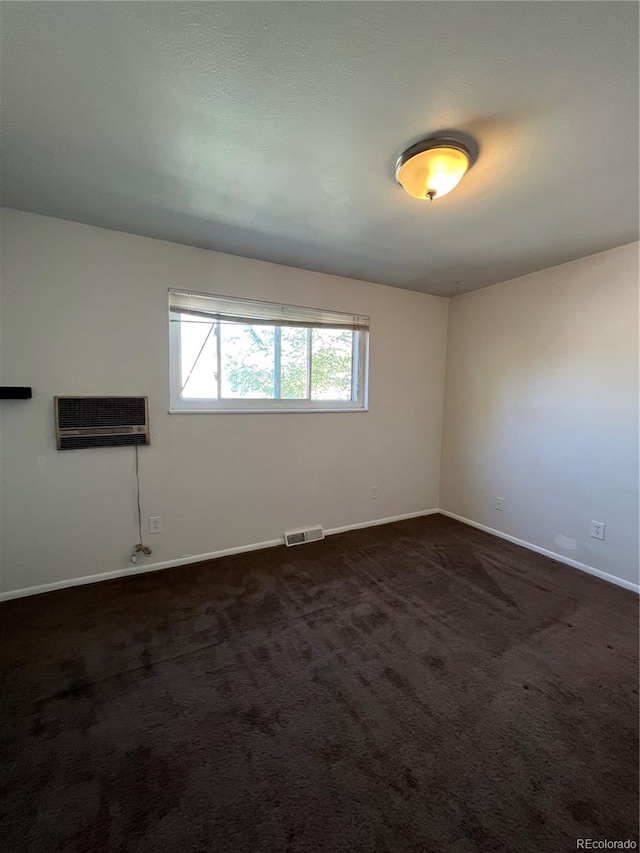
x,y
598,529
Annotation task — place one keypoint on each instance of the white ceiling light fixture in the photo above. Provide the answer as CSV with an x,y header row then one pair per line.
x,y
433,167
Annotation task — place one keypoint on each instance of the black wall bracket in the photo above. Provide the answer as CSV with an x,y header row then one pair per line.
x,y
15,392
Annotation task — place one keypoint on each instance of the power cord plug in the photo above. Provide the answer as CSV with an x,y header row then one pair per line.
x,y
140,549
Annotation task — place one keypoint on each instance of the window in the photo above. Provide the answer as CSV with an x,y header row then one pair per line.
x,y
239,355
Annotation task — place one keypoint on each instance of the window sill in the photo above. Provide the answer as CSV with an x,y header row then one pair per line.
x,y
283,411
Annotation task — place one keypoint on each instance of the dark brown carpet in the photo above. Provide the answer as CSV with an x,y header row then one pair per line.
x,y
420,686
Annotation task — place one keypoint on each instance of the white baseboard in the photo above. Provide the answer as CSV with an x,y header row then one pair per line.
x,y
634,587
272,543
138,569
379,521
193,558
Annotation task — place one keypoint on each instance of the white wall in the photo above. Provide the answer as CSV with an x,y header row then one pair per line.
x,y
541,409
85,312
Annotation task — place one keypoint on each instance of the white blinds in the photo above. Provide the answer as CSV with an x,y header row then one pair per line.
x,y
227,309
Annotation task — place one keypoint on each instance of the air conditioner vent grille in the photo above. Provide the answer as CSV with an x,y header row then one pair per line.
x,y
77,442
74,412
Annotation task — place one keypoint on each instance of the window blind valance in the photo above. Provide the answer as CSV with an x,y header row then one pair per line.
x,y
228,309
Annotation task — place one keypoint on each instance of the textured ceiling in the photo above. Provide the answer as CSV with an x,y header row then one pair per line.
x,y
271,129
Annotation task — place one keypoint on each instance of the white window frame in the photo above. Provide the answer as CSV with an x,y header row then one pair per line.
x,y
360,361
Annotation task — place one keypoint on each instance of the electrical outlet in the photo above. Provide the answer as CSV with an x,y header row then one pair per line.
x,y
597,529
374,492
155,524
500,504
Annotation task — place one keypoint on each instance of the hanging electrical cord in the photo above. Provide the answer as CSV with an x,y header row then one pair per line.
x,y
140,548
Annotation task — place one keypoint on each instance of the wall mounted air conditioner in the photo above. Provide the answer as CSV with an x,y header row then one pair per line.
x,y
84,422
